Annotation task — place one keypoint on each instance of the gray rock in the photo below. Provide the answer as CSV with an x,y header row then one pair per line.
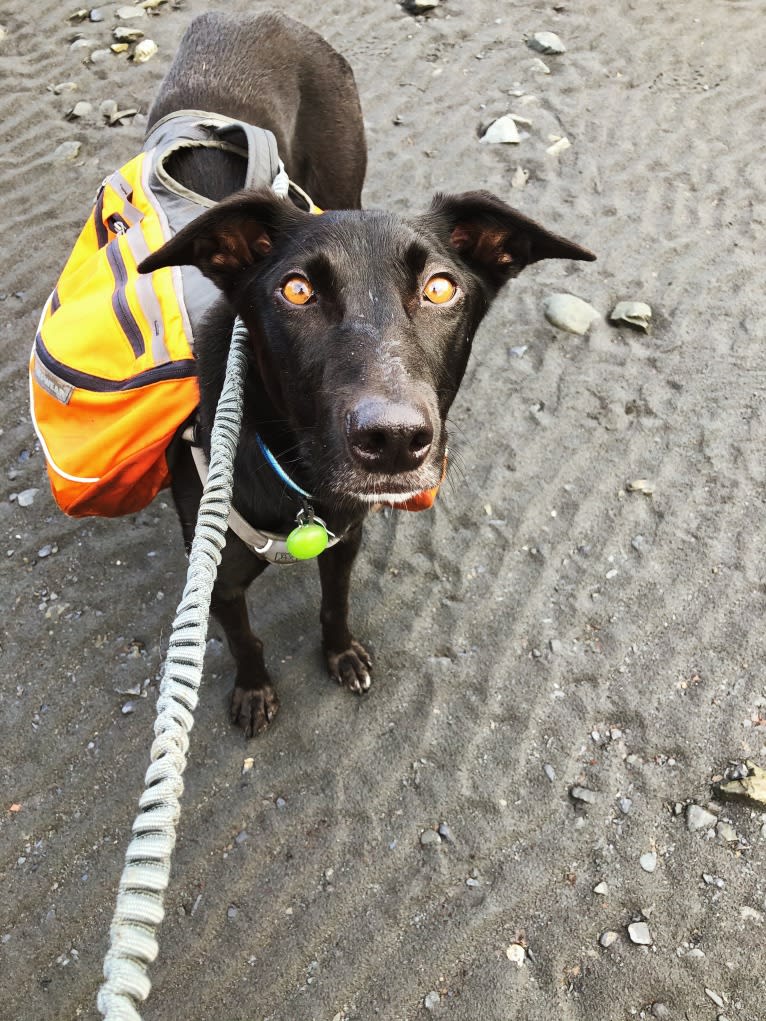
x,y
638,542
648,861
128,13
83,44
715,881
128,708
698,818
715,997
27,496
625,805
502,130
606,939
124,34
549,771
96,14
63,87
726,832
546,42
100,56
80,110
556,646
232,911
660,1010
446,833
429,838
633,313
108,109
601,889
639,933
584,794
46,550
432,1000
421,6
569,313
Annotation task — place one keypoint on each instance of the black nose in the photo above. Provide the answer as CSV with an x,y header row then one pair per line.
x,y
389,437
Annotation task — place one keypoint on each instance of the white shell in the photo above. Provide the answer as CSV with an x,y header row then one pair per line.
x,y
502,130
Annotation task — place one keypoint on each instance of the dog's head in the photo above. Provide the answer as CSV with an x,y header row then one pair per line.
x,y
362,322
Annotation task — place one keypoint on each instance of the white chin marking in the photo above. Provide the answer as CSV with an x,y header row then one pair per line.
x,y
385,497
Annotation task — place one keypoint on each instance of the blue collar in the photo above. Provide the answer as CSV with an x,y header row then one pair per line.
x,y
279,471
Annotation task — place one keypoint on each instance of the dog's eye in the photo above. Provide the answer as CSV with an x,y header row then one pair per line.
x,y
297,290
439,290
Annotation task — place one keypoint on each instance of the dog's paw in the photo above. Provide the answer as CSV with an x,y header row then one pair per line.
x,y
351,668
253,709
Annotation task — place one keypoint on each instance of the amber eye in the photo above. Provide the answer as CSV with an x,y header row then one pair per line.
x,y
439,290
297,290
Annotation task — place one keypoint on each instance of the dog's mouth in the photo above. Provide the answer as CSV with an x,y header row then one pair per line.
x,y
357,486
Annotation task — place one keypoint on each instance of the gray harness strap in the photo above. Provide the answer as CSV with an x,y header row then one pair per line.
x,y
267,545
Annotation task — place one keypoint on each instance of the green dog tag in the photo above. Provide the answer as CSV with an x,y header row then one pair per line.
x,y
307,541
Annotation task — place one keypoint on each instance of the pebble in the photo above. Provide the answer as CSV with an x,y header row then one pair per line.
x,y
502,130
601,889
584,794
638,542
569,313
625,805
606,939
520,178
715,881
232,911
79,110
128,13
546,42
123,34
432,1000
108,109
64,87
99,56
648,861
429,838
82,44
556,646
420,6
660,1010
640,486
726,832
27,496
633,313
446,833
713,995
516,954
549,771
639,933
144,51
698,818
540,65
96,15
46,550
560,145
128,708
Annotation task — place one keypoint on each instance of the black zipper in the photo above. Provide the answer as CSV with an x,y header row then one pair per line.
x,y
85,381
98,218
125,318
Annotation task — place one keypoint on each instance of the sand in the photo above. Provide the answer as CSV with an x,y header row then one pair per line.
x,y
540,616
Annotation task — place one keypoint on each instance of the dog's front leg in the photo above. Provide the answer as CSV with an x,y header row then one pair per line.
x,y
254,702
348,661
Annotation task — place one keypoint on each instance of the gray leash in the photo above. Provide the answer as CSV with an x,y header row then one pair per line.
x,y
139,910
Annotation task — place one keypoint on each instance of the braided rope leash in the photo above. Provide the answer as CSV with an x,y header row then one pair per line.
x,y
144,879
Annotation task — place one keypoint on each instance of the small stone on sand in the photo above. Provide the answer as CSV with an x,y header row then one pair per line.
x,y
606,939
429,838
567,312
634,313
648,861
546,42
502,130
432,1000
516,954
639,933
698,818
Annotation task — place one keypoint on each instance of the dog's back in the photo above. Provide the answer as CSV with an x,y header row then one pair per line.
x,y
275,73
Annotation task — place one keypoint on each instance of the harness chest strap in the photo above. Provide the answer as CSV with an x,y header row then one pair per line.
x,y
267,545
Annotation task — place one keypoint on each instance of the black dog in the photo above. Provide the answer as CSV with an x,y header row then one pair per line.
x,y
361,323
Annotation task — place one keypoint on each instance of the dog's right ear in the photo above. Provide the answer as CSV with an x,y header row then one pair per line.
x,y
234,235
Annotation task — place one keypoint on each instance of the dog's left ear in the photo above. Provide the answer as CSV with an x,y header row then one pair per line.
x,y
493,238
234,235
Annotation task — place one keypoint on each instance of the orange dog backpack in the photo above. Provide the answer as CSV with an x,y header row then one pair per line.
x,y
112,372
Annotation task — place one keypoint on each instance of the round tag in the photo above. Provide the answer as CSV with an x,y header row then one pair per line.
x,y
307,541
